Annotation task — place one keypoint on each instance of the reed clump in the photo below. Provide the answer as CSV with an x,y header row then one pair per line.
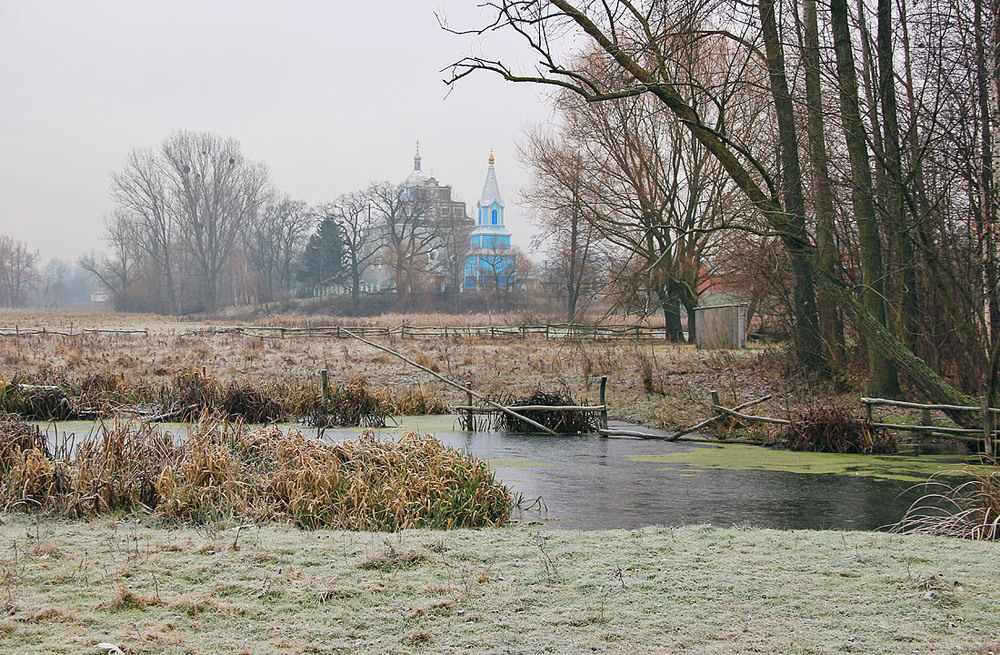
x,y
44,402
967,510
836,429
223,470
413,401
351,403
190,393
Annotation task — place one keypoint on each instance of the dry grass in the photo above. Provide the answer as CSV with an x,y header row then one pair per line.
x,y
226,471
661,384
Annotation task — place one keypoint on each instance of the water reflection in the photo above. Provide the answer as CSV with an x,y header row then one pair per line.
x,y
591,483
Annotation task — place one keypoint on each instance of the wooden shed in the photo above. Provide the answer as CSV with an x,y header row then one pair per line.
x,y
721,327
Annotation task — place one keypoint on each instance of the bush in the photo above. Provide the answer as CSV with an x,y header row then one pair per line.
x,y
836,430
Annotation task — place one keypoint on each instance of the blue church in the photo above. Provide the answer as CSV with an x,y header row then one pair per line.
x,y
490,262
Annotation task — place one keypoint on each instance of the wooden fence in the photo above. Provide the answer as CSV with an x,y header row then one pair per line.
x,y
567,331
986,435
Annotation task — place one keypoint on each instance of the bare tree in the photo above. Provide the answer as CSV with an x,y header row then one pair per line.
x,y
214,193
360,234
642,183
409,237
557,195
142,190
637,38
273,240
118,272
18,272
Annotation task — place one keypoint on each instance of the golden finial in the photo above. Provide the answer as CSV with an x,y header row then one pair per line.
x,y
491,156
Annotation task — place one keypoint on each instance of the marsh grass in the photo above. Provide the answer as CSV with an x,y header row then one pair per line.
x,y
968,510
193,392
225,471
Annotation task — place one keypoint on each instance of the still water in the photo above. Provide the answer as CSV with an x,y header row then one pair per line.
x,y
588,482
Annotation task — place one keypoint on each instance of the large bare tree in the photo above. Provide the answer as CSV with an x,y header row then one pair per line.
x,y
361,236
214,192
408,232
639,41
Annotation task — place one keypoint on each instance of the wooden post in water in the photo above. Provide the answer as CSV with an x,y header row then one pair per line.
x,y
604,402
470,417
324,380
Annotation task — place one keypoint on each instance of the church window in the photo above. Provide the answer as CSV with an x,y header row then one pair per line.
x,y
494,217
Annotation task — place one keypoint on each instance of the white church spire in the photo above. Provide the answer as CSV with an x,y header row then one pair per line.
x,y
491,189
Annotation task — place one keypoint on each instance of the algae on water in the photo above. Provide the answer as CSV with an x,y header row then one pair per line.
x,y
907,468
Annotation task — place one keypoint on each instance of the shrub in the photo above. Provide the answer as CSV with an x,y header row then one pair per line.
x,y
836,430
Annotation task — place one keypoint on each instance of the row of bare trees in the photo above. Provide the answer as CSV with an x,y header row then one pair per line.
x,y
851,145
199,226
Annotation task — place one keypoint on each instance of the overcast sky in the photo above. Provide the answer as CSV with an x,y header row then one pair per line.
x,y
329,94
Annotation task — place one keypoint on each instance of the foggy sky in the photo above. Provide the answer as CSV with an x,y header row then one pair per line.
x,y
330,95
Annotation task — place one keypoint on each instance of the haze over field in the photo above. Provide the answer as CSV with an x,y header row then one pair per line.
x,y
331,96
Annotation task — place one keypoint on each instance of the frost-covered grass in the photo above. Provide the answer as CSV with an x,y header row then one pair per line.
x,y
67,586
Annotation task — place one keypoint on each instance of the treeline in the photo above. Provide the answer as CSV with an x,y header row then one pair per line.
x,y
199,226
837,160
25,283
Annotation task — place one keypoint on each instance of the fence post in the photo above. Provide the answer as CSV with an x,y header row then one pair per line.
x,y
604,402
324,377
868,412
470,417
720,424
987,428
925,418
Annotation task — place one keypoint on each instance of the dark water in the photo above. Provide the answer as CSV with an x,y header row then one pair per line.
x,y
590,483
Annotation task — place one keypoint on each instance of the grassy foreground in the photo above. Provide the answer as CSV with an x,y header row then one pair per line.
x,y
67,586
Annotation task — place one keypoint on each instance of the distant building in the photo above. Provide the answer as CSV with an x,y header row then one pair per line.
x,y
490,262
446,225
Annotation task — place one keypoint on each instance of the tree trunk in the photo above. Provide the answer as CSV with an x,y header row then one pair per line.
x,y
807,336
882,380
987,201
831,325
892,190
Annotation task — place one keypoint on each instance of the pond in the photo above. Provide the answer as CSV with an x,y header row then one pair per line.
x,y
593,483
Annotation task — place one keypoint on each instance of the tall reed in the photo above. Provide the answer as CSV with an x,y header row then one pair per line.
x,y
969,509
223,470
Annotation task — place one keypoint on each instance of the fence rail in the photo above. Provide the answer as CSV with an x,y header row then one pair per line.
x,y
562,331
987,434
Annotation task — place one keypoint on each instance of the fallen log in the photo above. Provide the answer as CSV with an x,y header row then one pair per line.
x,y
711,420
